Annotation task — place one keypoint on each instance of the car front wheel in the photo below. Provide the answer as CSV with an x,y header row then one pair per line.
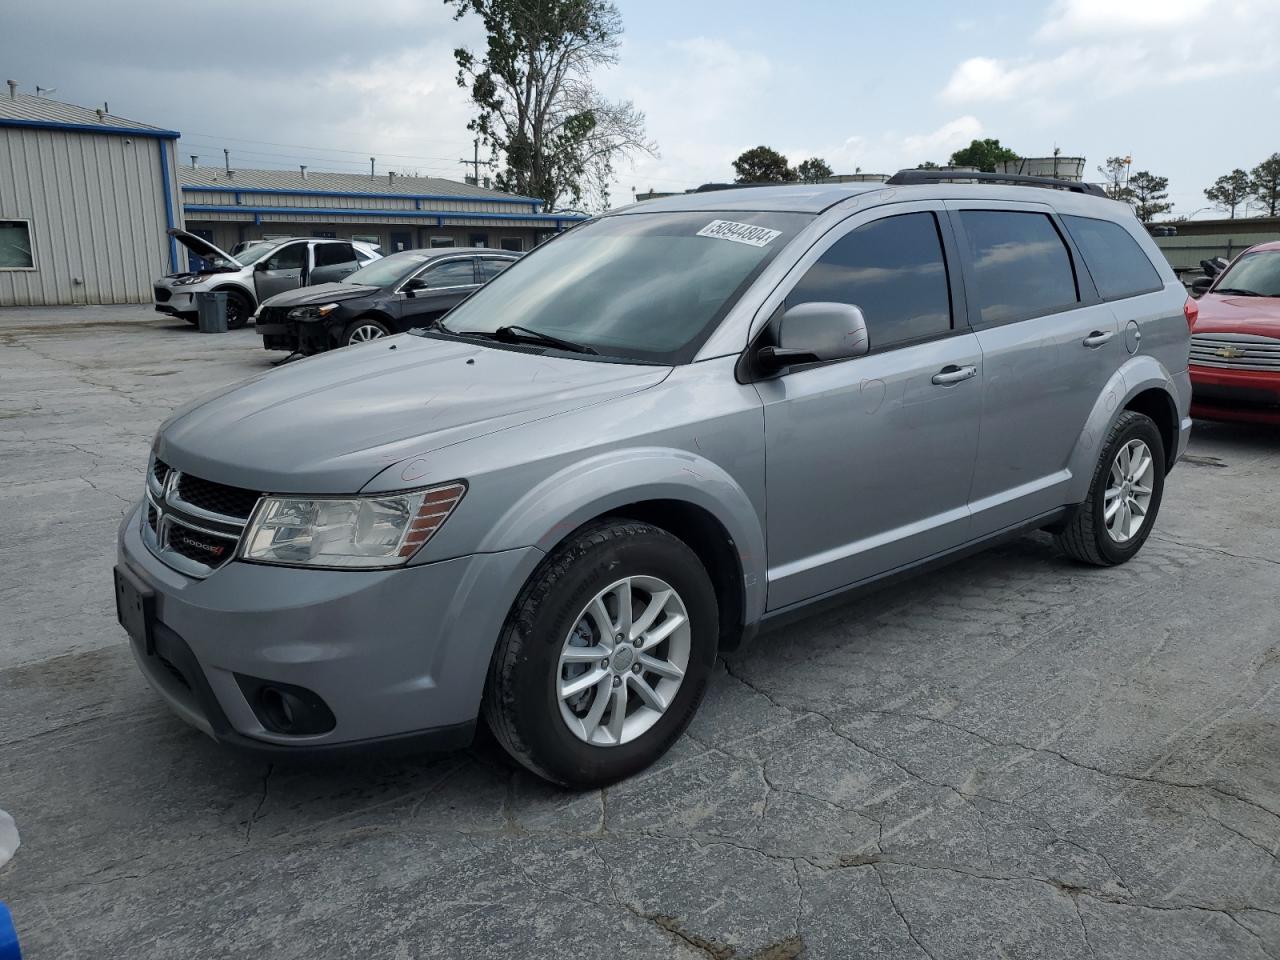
x,y
364,330
605,656
239,310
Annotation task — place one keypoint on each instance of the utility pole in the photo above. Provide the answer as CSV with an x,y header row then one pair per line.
x,y
371,163
475,162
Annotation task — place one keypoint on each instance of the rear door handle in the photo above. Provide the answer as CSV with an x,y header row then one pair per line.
x,y
1098,338
953,374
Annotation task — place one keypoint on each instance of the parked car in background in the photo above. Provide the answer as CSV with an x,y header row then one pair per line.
x,y
391,295
1235,343
256,273
659,432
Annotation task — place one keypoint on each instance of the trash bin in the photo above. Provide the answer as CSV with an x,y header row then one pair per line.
x,y
211,312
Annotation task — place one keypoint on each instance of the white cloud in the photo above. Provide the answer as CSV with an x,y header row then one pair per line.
x,y
1076,18
891,151
1110,50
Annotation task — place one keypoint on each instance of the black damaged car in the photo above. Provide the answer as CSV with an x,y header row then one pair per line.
x,y
391,295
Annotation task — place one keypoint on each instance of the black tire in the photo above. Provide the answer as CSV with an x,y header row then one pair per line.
x,y
363,323
239,310
520,702
1085,537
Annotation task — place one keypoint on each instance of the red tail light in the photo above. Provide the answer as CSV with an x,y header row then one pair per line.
x,y
1191,310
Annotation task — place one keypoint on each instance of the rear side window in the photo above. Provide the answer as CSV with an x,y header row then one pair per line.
x,y
1115,261
1021,268
893,270
451,273
334,254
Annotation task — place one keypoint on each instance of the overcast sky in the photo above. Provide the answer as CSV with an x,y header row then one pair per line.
x,y
1189,88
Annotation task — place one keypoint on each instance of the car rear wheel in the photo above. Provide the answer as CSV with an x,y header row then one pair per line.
x,y
239,310
605,656
1124,496
364,330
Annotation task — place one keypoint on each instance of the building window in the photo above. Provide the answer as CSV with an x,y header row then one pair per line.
x,y
513,243
15,245
478,240
370,238
442,241
324,234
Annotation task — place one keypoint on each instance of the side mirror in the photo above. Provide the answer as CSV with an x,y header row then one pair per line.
x,y
1201,285
815,332
411,287
261,267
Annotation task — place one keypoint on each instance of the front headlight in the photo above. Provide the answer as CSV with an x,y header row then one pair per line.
x,y
382,530
187,281
312,313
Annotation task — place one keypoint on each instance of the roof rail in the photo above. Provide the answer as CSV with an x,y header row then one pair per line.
x,y
904,177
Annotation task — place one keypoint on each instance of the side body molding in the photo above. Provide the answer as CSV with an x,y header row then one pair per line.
x,y
612,480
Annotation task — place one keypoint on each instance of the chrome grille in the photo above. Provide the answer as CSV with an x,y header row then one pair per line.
x,y
193,525
1235,351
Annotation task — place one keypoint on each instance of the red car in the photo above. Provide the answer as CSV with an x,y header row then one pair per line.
x,y
1235,341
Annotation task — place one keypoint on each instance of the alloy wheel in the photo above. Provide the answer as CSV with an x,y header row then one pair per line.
x,y
366,332
623,661
1127,497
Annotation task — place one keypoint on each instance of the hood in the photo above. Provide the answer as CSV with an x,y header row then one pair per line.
x,y
1235,314
203,248
320,293
331,423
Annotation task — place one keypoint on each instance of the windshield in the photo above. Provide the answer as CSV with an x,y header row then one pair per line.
x,y
1254,274
389,270
643,287
256,252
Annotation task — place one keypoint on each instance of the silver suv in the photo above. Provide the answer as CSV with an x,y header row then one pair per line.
x,y
650,438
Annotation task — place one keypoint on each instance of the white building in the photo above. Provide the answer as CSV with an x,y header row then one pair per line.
x,y
86,198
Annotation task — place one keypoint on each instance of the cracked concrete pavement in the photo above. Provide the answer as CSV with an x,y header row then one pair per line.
x,y
1015,756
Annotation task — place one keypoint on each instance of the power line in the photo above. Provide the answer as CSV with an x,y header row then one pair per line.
x,y
303,146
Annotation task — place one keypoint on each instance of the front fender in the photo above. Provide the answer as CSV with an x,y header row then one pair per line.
x,y
589,488
1136,375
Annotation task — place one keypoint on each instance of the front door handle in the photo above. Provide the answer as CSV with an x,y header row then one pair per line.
x,y
953,374
1098,338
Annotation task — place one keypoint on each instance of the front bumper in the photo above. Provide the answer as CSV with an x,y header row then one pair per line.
x,y
1251,396
308,337
396,655
178,303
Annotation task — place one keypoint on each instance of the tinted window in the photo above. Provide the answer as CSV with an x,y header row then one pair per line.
x,y
1021,266
455,273
291,257
334,254
1117,264
493,266
893,269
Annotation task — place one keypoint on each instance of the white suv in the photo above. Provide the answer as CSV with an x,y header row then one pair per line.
x,y
262,270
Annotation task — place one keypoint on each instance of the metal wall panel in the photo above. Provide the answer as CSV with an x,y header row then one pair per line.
x,y
97,209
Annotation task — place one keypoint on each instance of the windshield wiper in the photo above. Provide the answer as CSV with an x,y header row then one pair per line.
x,y
1238,292
434,323
518,334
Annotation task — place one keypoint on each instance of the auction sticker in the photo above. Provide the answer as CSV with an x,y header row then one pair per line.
x,y
740,233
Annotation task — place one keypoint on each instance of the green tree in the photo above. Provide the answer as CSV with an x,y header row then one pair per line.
x,y
1229,191
550,131
813,170
763,165
927,165
1116,178
1149,195
1264,184
983,154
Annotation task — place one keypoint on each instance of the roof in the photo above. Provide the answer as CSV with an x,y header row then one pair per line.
x,y
783,198
320,181
25,110
431,253
817,197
